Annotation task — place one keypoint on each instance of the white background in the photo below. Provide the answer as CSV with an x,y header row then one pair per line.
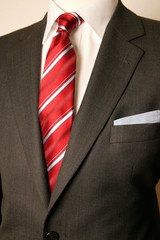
x,y
15,14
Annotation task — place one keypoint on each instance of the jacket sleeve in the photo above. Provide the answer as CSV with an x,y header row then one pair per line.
x,y
0,199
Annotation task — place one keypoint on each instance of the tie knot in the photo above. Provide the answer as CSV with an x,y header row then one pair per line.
x,y
68,22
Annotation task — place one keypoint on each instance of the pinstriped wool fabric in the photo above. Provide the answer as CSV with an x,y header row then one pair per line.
x,y
56,98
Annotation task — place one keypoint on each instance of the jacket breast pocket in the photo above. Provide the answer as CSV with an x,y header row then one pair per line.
x,y
134,133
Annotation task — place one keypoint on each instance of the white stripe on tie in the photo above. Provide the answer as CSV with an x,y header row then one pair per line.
x,y
55,127
79,21
63,28
56,161
57,33
56,93
56,61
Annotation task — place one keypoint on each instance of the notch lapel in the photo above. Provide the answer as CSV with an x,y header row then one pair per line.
x,y
24,80
116,61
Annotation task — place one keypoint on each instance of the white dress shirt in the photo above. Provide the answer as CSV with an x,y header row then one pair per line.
x,y
86,38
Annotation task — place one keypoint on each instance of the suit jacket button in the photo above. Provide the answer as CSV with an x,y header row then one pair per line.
x,y
52,236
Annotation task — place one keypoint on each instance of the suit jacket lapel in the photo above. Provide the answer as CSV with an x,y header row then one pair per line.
x,y
24,82
115,64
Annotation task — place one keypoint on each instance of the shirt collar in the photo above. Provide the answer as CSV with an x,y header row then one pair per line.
x,y
96,14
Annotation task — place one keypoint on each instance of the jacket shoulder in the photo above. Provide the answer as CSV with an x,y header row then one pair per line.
x,y
10,40
152,32
151,24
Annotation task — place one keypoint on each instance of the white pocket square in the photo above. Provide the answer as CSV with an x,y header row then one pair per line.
x,y
143,118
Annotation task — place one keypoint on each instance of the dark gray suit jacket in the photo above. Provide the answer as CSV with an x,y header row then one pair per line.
x,y
106,185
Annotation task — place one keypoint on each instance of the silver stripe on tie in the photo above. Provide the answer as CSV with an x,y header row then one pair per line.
x,y
79,20
57,33
57,60
56,161
53,96
63,28
55,127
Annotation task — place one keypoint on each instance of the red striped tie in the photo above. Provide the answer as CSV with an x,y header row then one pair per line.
x,y
57,95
